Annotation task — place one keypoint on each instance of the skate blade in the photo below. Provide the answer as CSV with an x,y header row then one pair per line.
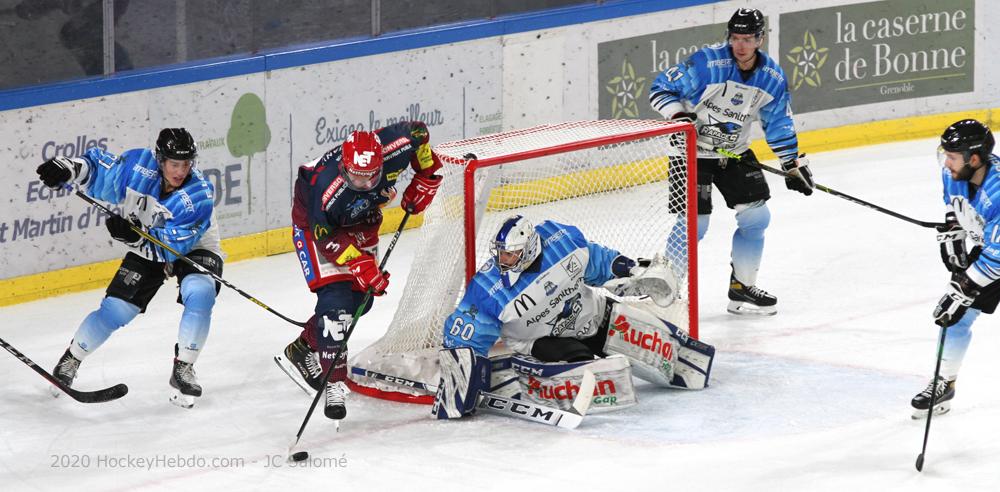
x,y
939,409
747,309
293,374
182,400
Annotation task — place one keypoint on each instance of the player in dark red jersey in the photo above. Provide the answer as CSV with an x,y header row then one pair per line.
x,y
336,217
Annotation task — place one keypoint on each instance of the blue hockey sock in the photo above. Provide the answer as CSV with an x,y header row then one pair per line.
x,y
198,295
748,240
956,342
98,326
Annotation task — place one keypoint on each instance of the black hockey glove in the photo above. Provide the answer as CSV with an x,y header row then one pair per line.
x,y
951,239
800,178
960,294
121,230
58,171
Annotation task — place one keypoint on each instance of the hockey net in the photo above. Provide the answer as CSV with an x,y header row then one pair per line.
x,y
624,183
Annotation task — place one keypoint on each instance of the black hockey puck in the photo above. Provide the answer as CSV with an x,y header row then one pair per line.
x,y
299,456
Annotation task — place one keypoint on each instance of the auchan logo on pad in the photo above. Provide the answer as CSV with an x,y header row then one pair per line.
x,y
566,390
651,342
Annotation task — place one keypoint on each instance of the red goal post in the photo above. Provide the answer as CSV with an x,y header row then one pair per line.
x,y
626,184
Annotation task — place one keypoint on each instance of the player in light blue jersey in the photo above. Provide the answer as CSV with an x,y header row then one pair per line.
x,y
971,176
164,194
722,89
547,293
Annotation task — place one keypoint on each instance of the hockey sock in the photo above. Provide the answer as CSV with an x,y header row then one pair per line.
x,y
956,343
748,240
198,295
100,324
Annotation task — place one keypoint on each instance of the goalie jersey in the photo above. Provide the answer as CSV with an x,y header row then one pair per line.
x,y
183,219
978,211
550,298
727,101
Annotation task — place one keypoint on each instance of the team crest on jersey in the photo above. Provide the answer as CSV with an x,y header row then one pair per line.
x,y
572,266
419,133
737,99
566,319
357,207
720,131
487,266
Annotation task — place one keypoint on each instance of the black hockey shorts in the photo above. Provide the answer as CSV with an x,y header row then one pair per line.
x,y
567,349
739,183
138,279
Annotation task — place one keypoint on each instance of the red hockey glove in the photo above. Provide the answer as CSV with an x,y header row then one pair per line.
x,y
367,274
420,192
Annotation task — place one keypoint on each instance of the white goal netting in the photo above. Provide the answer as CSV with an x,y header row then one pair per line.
x,y
623,183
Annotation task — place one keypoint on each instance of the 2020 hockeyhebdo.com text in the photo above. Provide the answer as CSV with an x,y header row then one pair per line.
x,y
176,461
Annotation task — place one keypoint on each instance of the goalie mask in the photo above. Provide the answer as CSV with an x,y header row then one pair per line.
x,y
361,161
515,248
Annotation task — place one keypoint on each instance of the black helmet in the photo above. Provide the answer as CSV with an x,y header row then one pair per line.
x,y
746,21
969,137
175,143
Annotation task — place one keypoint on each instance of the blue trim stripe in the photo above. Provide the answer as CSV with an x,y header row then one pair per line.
x,y
232,66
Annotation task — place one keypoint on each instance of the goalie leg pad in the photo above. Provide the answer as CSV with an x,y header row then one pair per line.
x,y
556,384
659,351
463,376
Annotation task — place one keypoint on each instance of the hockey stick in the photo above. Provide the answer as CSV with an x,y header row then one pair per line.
x,y
509,407
832,191
100,396
930,409
187,260
343,344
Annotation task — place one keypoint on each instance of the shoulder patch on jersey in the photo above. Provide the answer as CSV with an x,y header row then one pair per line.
x,y
487,266
572,265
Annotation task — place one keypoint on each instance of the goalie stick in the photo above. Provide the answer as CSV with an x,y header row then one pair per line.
x,y
510,407
185,259
100,396
832,191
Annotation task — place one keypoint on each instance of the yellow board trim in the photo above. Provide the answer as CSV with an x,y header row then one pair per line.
x,y
276,241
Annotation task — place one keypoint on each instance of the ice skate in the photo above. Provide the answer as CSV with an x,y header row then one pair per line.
x,y
336,394
65,372
942,399
185,384
301,365
749,299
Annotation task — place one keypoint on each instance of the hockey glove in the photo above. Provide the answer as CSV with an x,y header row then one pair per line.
x,y
800,178
684,117
420,193
59,171
951,238
121,230
960,294
367,274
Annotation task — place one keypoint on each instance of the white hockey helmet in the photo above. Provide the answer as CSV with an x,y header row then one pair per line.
x,y
515,247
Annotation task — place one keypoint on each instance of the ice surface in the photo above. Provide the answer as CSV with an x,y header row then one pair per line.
x,y
815,398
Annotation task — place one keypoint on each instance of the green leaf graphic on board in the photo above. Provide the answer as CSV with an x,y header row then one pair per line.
x,y
248,133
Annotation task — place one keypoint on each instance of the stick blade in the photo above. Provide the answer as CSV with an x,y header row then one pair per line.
x,y
920,462
100,396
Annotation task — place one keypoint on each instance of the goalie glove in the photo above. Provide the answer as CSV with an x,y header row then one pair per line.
x,y
799,177
951,239
960,294
59,171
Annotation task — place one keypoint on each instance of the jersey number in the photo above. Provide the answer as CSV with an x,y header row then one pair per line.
x,y
673,74
462,329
